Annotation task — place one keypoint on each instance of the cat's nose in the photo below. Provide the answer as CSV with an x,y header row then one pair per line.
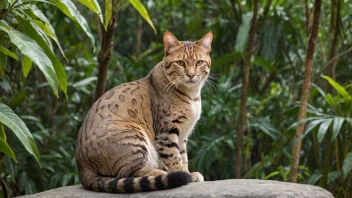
x,y
190,75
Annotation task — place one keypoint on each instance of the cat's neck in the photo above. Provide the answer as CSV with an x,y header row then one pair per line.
x,y
160,82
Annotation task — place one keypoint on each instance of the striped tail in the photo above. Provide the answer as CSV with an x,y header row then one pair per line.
x,y
139,184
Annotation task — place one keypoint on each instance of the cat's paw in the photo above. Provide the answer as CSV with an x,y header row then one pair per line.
x,y
197,177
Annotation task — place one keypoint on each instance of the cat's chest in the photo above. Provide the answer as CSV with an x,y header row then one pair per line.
x,y
186,117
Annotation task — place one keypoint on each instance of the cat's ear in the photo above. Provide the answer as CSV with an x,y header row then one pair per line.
x,y
170,41
205,41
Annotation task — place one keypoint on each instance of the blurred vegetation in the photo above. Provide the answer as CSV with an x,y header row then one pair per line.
x,y
273,100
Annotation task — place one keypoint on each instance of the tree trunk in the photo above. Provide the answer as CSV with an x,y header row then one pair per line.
x,y
305,90
139,32
244,91
104,55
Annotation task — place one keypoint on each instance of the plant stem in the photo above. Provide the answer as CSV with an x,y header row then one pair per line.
x,y
244,91
105,55
305,90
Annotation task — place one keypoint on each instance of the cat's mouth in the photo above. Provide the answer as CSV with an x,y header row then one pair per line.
x,y
190,82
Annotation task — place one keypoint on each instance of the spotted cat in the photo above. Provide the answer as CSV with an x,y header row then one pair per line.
x,y
134,137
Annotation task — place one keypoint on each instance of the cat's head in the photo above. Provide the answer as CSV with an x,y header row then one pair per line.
x,y
187,63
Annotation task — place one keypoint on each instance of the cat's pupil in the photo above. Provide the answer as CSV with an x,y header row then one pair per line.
x,y
200,62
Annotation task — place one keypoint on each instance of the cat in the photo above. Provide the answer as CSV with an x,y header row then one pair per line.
x,y
134,137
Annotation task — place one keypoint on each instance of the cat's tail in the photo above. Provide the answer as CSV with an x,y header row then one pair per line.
x,y
138,184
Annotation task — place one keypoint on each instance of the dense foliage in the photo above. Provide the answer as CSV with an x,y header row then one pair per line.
x,y
29,93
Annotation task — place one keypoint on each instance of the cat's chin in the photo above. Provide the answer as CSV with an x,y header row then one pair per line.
x,y
191,84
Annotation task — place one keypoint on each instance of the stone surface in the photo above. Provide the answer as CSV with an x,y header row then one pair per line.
x,y
223,188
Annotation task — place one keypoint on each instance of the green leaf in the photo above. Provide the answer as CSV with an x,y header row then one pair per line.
x,y
15,123
264,63
224,59
26,66
8,52
323,128
142,11
108,13
322,93
70,10
93,6
268,132
18,99
338,121
5,148
85,82
332,176
347,164
3,63
340,89
31,49
311,125
243,32
2,132
271,175
46,26
330,100
29,29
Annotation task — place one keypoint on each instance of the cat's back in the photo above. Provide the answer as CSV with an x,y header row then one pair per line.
x,y
126,103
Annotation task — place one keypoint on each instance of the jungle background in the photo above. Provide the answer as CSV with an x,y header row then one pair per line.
x,y
50,52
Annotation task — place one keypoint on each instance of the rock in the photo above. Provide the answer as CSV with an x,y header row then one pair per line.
x,y
223,188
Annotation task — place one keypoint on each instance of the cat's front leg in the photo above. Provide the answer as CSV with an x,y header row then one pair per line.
x,y
167,145
196,176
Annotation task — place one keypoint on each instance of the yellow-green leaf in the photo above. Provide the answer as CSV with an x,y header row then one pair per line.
x,y
340,89
8,52
108,13
2,132
5,148
93,6
26,66
142,11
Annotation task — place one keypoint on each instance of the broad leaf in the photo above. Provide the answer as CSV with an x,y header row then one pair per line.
x,y
26,66
338,121
311,125
108,13
31,49
8,52
93,6
70,10
29,29
142,11
12,121
45,25
347,164
5,148
2,132
243,32
340,89
323,128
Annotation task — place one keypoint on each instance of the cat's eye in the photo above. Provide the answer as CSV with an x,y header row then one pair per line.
x,y
199,63
181,63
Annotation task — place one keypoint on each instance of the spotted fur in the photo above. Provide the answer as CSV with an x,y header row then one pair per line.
x,y
134,137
